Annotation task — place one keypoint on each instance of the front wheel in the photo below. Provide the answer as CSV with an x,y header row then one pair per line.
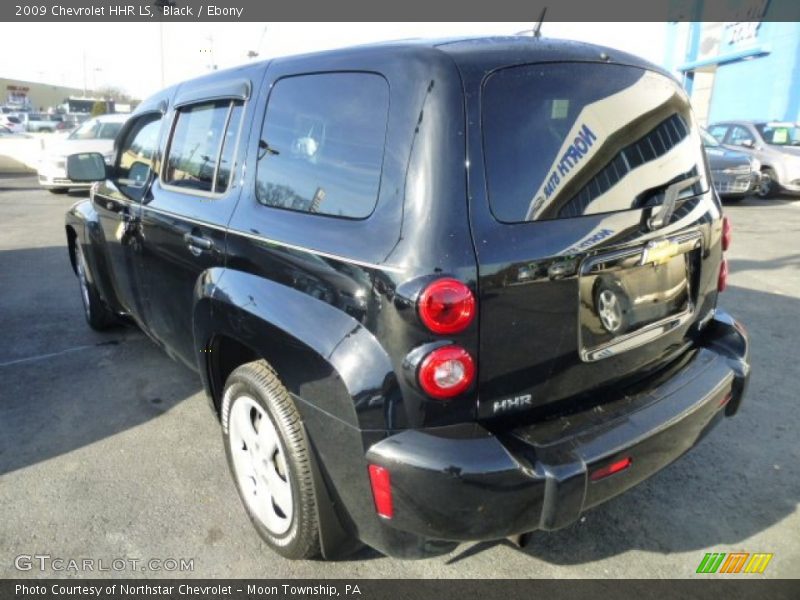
x,y
270,460
97,314
768,185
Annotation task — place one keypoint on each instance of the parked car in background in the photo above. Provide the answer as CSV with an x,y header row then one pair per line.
x,y
734,173
775,144
436,292
95,135
66,126
39,122
12,121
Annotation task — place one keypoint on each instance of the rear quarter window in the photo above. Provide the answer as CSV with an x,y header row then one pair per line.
x,y
564,140
322,144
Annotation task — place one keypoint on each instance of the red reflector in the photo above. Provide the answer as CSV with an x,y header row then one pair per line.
x,y
725,399
614,467
727,233
446,372
722,281
381,491
446,306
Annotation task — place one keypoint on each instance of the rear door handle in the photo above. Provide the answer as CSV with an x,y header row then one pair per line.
x,y
197,243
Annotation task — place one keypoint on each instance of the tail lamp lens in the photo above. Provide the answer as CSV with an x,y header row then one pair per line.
x,y
446,306
381,490
722,281
727,233
446,372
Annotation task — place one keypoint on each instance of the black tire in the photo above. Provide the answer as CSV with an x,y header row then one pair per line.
x,y
768,186
258,382
58,190
97,314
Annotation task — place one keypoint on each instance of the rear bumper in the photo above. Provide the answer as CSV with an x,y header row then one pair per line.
x,y
464,483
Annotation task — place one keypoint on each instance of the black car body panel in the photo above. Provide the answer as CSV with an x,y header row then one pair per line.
x,y
241,271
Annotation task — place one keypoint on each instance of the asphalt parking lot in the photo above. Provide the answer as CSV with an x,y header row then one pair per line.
x,y
108,449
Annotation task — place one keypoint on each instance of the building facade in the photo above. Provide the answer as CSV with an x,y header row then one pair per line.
x,y
738,70
33,96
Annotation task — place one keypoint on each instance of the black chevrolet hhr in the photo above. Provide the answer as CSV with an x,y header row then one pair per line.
x,y
436,291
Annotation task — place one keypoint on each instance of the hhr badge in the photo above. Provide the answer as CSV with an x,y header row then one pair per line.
x,y
515,403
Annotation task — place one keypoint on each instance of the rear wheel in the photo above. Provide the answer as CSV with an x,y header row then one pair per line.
x,y
768,186
97,314
270,460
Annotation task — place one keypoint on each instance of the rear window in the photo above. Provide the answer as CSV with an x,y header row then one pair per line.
x,y
568,139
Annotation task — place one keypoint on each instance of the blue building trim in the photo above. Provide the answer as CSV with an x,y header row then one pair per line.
x,y
756,51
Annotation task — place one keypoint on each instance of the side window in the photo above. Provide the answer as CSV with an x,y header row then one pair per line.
x,y
322,144
741,137
200,154
718,131
136,155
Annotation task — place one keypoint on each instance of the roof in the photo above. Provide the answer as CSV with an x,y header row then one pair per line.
x,y
470,54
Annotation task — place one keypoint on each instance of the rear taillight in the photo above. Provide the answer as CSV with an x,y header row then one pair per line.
x,y
446,372
727,233
722,280
381,490
446,306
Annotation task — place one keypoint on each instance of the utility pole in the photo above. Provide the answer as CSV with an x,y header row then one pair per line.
x,y
84,73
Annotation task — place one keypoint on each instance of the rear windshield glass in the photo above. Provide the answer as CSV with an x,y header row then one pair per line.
x,y
568,139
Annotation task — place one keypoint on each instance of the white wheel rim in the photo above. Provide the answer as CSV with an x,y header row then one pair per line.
x,y
259,464
81,267
609,309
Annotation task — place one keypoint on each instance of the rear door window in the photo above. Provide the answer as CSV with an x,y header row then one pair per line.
x,y
322,143
568,139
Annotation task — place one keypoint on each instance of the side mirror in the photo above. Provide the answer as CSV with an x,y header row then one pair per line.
x,y
86,167
747,143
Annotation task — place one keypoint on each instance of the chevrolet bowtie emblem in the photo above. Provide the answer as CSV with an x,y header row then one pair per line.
x,y
659,252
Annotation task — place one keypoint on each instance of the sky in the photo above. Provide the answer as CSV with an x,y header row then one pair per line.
x,y
128,55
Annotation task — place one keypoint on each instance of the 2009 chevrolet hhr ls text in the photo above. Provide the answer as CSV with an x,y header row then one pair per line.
x,y
436,291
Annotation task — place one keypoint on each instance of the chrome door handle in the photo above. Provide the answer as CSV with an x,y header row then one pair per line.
x,y
198,242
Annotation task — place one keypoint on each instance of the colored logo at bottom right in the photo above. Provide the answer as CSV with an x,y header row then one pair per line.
x,y
734,562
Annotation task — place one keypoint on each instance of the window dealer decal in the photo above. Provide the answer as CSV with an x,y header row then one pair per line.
x,y
574,153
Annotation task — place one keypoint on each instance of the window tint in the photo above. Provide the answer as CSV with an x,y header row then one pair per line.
x,y
136,155
195,146
565,140
740,135
718,131
321,147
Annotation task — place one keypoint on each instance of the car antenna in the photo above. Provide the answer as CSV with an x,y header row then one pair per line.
x,y
537,31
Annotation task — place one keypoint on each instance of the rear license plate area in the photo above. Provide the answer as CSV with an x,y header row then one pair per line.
x,y
632,297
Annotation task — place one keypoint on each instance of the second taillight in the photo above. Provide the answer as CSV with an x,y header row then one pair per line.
x,y
446,372
727,233
722,280
446,306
